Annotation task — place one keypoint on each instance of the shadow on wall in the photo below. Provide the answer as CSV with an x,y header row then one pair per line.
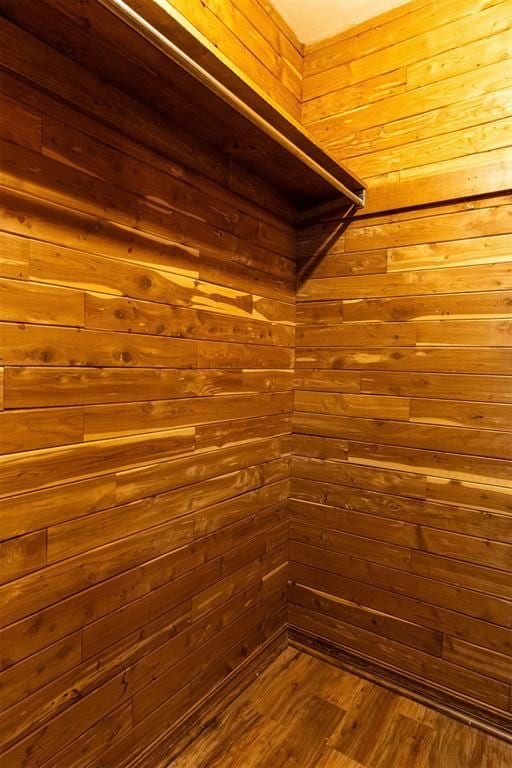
x,y
319,238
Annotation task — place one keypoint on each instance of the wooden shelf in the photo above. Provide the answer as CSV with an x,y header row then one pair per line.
x,y
148,50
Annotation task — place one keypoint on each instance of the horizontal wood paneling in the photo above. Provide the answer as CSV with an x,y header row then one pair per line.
x,y
254,38
401,505
146,346
398,98
147,363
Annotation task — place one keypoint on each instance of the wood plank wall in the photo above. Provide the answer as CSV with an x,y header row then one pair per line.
x,y
147,337
401,531
421,92
256,40
146,347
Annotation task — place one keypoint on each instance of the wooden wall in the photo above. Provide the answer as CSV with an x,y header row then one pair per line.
x,y
147,339
401,532
146,345
423,91
401,494
256,41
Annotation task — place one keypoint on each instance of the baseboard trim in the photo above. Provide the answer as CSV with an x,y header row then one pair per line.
x,y
459,709
174,741
169,744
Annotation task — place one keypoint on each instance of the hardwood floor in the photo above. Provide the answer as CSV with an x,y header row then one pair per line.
x,y
304,712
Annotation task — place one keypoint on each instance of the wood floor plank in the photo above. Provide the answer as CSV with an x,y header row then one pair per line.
x,y
304,713
406,742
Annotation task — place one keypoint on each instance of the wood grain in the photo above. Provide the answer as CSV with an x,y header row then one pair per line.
x,y
409,302
392,489
399,100
160,525
305,712
146,338
253,37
